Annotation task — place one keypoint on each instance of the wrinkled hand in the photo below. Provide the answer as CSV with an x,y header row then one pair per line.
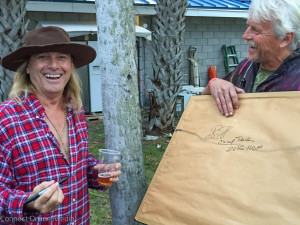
x,y
48,201
225,95
114,176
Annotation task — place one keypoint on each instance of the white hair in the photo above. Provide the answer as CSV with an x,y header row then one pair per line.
x,y
283,14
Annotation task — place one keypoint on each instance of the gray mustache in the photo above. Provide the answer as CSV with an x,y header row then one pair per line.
x,y
251,43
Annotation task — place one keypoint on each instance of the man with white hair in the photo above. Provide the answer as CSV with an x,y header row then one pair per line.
x,y
273,62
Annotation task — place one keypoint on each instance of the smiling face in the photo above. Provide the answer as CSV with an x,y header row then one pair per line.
x,y
263,46
50,72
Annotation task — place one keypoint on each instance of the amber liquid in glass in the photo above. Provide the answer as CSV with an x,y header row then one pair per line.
x,y
103,179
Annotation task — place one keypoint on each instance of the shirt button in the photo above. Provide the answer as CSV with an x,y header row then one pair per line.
x,y
74,199
37,117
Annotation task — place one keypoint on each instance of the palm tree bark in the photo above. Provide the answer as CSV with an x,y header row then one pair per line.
x,y
168,33
13,26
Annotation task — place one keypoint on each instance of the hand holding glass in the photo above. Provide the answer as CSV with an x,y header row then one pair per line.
x,y
108,159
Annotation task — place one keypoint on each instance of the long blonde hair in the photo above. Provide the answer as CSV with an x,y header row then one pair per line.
x,y
22,85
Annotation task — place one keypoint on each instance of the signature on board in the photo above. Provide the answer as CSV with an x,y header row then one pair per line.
x,y
220,135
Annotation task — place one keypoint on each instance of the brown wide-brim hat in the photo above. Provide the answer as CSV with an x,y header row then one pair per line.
x,y
49,39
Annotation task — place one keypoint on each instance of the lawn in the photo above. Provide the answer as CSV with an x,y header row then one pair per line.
x,y
99,201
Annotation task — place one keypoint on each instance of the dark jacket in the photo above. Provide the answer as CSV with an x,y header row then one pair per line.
x,y
285,78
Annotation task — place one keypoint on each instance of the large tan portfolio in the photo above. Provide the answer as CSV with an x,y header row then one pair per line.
x,y
240,170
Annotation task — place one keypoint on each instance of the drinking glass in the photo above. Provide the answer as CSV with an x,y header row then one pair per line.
x,y
108,159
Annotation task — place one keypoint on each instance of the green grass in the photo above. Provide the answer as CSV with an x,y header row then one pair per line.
x,y
152,156
100,212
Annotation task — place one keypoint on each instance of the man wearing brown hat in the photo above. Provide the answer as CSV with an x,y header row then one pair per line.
x,y
43,134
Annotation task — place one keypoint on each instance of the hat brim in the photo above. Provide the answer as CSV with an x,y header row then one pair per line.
x,y
81,54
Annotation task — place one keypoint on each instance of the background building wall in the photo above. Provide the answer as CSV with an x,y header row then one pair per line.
x,y
208,35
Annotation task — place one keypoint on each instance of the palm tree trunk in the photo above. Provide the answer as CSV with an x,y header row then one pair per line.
x,y
12,31
169,27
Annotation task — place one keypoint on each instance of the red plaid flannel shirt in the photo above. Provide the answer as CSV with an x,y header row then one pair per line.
x,y
30,154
